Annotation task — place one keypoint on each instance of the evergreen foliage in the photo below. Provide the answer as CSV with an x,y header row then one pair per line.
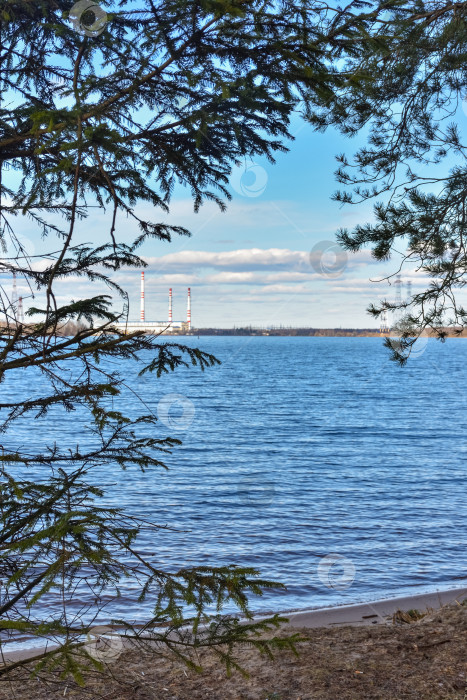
x,y
409,101
109,120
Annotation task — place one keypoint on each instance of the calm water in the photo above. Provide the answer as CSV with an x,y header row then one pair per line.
x,y
299,448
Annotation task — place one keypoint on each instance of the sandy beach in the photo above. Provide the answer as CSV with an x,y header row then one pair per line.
x,y
396,648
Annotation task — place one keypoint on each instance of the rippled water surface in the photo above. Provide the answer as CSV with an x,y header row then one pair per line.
x,y
300,448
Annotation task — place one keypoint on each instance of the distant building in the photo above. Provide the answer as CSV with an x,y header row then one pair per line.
x,y
158,327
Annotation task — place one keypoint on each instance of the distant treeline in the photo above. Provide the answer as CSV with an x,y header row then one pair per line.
x,y
70,328
250,330
324,332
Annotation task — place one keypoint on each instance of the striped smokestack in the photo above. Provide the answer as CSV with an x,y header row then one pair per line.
x,y
170,306
142,296
188,310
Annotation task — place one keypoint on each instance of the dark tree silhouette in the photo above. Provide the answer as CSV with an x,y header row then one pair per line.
x,y
110,108
414,158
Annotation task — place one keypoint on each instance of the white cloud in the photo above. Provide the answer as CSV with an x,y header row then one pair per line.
x,y
251,258
286,289
247,259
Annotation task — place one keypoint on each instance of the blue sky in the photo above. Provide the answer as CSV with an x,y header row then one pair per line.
x,y
270,260
252,264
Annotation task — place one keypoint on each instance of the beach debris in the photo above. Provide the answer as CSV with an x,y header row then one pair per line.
x,y
408,616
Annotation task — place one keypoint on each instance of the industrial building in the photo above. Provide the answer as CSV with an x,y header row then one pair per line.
x,y
158,327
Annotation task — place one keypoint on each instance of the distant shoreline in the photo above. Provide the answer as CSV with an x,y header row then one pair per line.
x,y
291,332
307,332
249,331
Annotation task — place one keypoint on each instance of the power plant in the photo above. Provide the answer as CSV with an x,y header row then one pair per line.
x,y
158,327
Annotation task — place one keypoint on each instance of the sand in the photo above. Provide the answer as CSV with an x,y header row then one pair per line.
x,y
398,655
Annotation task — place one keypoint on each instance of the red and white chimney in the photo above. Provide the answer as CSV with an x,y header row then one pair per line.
x,y
142,296
170,306
188,310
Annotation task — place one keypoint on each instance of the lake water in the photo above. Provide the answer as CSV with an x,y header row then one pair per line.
x,y
316,460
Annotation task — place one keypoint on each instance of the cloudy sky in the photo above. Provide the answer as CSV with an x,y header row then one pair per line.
x,y
270,260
